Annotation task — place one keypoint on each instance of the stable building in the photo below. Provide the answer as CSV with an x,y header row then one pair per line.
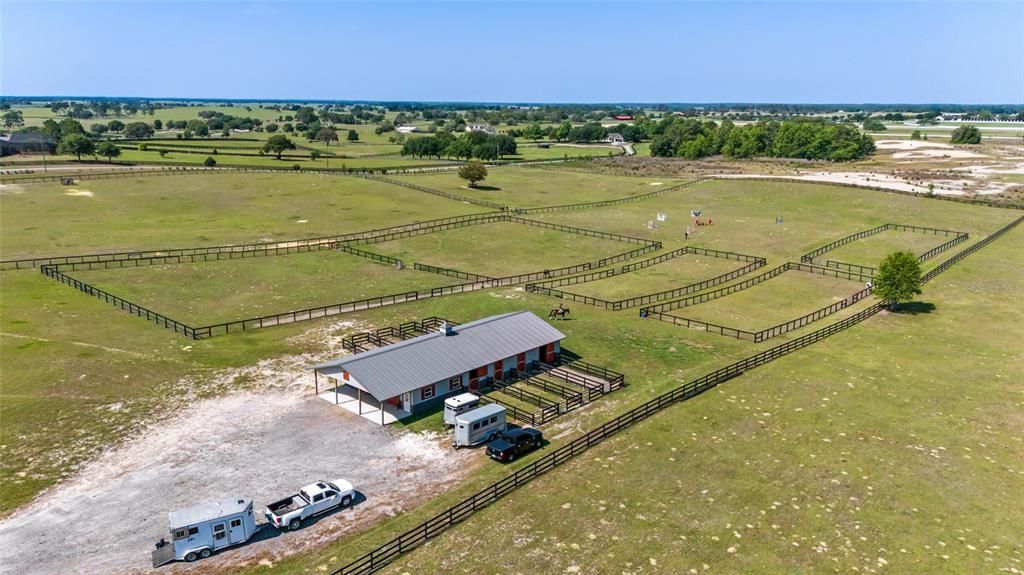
x,y
413,376
26,142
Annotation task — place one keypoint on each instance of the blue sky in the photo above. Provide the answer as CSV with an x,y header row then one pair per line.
x,y
916,52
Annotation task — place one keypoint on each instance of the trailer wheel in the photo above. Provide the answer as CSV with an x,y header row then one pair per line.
x,y
294,524
205,553
191,556
346,501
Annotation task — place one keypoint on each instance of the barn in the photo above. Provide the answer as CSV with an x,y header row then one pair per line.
x,y
414,376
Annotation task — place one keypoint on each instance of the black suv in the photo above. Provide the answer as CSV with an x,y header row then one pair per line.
x,y
514,443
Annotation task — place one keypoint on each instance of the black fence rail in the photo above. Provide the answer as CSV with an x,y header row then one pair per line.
x,y
614,202
811,317
812,255
825,271
303,315
443,194
942,247
529,418
395,234
451,273
571,399
413,538
582,231
328,241
369,255
715,294
628,255
357,342
132,308
852,268
509,389
931,274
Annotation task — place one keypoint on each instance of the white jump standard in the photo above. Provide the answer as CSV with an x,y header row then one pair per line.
x,y
395,381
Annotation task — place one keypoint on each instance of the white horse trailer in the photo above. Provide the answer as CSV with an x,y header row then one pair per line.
x,y
458,405
479,425
198,531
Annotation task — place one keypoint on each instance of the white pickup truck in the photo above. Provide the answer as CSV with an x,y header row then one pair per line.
x,y
311,500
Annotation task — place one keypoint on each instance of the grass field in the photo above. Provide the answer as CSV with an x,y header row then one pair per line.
x,y
810,464
80,375
557,151
743,215
206,293
871,250
784,297
500,249
182,211
527,187
675,273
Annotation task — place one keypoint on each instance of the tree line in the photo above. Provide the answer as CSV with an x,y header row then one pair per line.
x,y
480,145
808,139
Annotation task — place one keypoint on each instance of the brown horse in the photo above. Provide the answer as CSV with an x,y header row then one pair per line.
x,y
560,312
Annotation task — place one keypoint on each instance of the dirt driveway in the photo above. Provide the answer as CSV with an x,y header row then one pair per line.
x,y
263,445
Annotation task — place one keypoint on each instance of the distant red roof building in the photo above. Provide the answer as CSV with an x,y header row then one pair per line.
x,y
624,117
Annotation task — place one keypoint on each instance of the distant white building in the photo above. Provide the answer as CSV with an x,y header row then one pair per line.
x,y
486,128
615,139
406,129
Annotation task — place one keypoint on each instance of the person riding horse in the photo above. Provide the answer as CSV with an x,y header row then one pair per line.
x,y
561,312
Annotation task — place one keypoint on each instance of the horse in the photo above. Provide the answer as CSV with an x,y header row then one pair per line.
x,y
560,312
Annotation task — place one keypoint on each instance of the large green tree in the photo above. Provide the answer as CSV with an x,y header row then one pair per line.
x,y
138,130
966,135
473,172
899,278
13,119
327,135
76,144
277,144
108,150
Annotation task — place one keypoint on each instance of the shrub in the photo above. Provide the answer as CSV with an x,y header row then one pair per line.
x,y
209,162
143,147
296,167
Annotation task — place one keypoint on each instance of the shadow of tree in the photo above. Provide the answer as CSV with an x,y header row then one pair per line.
x,y
915,307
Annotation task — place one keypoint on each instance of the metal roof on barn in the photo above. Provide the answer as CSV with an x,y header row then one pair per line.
x,y
408,365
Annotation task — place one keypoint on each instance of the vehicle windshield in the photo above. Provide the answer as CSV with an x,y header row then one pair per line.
x,y
333,486
304,495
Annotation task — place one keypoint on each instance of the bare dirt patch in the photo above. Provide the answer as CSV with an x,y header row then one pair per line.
x,y
262,442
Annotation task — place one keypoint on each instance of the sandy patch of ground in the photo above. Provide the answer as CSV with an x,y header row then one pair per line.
x,y
655,184
78,193
923,150
262,443
302,221
909,145
11,189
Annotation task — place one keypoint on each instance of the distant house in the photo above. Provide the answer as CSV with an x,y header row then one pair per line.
x,y
615,139
486,128
624,118
412,376
406,129
26,142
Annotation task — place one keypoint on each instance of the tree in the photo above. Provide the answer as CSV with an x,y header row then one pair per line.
x,y
874,125
70,127
158,125
209,162
899,278
473,172
138,130
915,135
563,130
109,151
353,136
115,125
98,129
533,132
271,128
327,135
315,155
277,144
966,135
13,119
76,144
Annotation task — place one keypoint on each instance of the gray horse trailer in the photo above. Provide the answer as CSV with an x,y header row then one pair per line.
x,y
479,425
461,403
200,530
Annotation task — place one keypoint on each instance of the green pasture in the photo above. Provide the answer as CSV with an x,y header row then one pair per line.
x,y
563,151
675,273
500,249
811,463
152,212
270,161
205,293
743,216
65,355
782,298
870,251
528,187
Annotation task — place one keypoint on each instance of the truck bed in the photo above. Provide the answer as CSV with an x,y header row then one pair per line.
x,y
287,505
